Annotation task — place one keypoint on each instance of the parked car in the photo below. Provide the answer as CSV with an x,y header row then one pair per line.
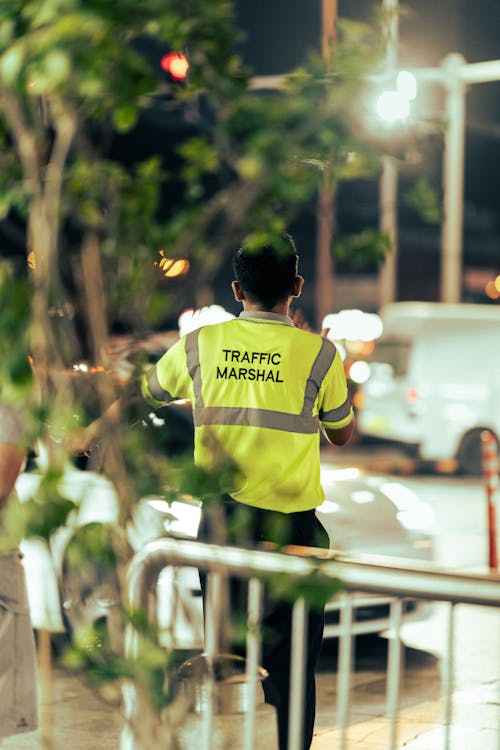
x,y
368,514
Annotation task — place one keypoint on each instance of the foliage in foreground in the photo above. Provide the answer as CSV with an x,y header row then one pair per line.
x,y
73,81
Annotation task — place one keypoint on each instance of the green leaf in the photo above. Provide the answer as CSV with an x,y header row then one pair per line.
x,y
425,200
35,518
57,66
124,118
20,369
316,589
363,248
11,64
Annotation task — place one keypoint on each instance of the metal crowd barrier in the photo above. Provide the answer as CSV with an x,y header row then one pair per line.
x,y
373,575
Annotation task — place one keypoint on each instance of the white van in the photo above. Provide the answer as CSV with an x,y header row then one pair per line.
x,y
434,380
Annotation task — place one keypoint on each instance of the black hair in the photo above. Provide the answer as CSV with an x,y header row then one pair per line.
x,y
266,272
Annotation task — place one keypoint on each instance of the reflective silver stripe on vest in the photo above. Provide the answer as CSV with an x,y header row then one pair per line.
x,y
335,415
303,423
273,420
154,387
193,365
318,371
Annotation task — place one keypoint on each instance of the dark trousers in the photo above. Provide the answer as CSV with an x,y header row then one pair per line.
x,y
245,526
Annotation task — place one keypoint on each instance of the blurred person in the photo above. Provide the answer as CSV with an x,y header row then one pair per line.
x,y
261,391
18,678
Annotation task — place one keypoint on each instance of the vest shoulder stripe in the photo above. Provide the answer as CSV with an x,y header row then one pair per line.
x,y
335,415
154,387
250,417
193,364
318,372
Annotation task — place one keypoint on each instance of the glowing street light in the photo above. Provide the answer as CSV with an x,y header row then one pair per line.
x,y
406,84
394,106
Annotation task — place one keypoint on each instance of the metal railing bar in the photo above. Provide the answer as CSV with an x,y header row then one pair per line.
x,y
344,670
498,715
169,636
421,582
212,647
207,716
361,601
297,670
253,657
447,680
394,670
379,625
213,614
382,577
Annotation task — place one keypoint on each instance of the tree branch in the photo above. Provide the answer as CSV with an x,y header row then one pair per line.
x,y
24,138
65,124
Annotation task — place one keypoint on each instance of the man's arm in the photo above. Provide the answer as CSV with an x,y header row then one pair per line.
x,y
11,463
340,436
169,379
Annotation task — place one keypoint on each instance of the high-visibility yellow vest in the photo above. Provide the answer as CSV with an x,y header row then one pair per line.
x,y
259,389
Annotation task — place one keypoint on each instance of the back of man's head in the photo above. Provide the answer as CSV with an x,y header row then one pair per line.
x,y
266,272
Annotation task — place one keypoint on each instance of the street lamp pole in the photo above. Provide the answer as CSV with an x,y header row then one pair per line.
x,y
453,180
388,184
388,189
324,275
455,74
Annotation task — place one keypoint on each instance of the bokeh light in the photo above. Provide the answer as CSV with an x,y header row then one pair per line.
x,y
176,64
190,319
492,289
392,106
353,325
359,372
406,84
172,267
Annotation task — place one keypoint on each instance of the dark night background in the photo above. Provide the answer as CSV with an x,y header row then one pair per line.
x,y
280,33
278,36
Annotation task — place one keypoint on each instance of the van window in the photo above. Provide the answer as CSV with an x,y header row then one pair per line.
x,y
394,352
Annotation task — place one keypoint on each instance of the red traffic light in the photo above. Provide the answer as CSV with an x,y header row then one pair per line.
x,y
176,65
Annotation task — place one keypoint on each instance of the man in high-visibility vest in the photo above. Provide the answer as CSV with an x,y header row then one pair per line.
x,y
261,391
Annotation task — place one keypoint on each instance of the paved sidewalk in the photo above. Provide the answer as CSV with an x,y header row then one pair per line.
x,y
73,716
476,696
476,726
82,720
76,717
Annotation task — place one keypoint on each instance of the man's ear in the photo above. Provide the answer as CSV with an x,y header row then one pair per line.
x,y
297,286
239,295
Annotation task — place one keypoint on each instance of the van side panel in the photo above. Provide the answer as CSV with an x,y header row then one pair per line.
x,y
450,386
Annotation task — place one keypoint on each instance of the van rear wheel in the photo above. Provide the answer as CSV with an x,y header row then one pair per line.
x,y
469,456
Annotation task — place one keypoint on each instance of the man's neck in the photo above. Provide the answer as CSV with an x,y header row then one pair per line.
x,y
281,308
